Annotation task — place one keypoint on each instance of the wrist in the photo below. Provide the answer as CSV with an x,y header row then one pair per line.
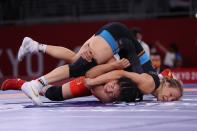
x,y
122,73
88,83
113,65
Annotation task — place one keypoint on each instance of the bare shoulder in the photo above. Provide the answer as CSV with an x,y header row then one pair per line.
x,y
148,79
147,76
147,84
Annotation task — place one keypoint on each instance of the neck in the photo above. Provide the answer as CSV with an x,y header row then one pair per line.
x,y
156,92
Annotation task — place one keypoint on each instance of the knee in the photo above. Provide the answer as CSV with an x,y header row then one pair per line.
x,y
54,93
80,67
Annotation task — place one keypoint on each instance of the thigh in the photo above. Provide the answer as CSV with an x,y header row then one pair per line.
x,y
102,52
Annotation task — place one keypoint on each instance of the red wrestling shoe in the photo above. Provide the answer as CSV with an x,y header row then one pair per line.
x,y
12,84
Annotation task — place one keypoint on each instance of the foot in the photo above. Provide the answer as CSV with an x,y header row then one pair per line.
x,y
12,84
32,92
28,46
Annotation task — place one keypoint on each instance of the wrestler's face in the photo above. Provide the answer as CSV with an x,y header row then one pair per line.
x,y
107,93
168,93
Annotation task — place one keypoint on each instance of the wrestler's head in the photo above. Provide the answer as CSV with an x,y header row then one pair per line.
x,y
169,90
107,93
122,89
129,91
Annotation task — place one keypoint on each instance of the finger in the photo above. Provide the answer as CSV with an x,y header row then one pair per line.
x,y
83,56
89,55
126,64
125,61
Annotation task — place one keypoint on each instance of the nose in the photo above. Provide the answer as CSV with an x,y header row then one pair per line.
x,y
109,89
165,98
171,99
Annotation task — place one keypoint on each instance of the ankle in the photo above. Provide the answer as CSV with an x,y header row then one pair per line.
x,y
42,47
40,83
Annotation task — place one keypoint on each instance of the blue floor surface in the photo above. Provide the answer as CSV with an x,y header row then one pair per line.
x,y
17,113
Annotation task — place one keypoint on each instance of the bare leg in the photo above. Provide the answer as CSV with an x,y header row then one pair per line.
x,y
65,53
72,89
57,74
66,92
31,46
60,53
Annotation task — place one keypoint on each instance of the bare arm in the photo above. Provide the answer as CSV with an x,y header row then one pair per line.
x,y
144,81
104,68
102,79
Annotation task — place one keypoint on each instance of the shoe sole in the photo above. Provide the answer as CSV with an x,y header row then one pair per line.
x,y
22,47
3,85
34,99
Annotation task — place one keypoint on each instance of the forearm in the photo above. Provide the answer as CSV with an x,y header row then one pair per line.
x,y
102,79
135,77
100,69
143,81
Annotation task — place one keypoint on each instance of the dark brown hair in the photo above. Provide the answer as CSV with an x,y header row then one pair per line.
x,y
128,91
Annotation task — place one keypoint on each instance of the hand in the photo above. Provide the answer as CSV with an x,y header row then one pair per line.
x,y
87,82
121,64
86,53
